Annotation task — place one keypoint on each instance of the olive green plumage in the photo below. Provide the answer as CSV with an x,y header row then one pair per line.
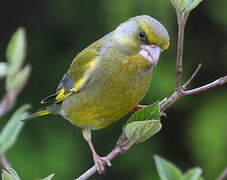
x,y
113,92
110,77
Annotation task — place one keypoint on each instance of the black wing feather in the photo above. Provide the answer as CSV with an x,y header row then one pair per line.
x,y
66,83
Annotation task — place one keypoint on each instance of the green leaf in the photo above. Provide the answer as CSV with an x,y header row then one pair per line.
x,y
48,177
192,4
143,124
16,83
140,131
7,176
11,175
193,174
3,69
167,170
150,112
12,129
15,52
185,5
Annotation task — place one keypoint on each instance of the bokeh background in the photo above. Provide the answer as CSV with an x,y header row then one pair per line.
x,y
194,132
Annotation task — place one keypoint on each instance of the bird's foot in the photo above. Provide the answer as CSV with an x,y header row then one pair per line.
x,y
138,107
101,163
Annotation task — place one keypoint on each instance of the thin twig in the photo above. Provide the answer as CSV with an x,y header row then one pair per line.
x,y
122,145
172,99
4,163
192,76
178,94
114,153
223,175
181,19
7,103
213,84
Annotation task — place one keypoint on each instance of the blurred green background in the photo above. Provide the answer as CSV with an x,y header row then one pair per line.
x,y
194,132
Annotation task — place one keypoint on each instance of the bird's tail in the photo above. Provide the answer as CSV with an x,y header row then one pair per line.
x,y
41,112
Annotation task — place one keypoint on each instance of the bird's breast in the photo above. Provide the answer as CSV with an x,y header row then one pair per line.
x,y
112,92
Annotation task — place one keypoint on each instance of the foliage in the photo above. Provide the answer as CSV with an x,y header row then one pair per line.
x,y
12,129
16,77
194,129
143,124
11,174
168,171
185,5
15,81
15,54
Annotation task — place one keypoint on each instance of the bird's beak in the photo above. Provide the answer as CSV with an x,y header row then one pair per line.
x,y
151,53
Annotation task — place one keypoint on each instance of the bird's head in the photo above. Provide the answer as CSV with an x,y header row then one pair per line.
x,y
143,35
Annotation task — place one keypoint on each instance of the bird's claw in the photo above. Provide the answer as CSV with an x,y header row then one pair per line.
x,y
101,163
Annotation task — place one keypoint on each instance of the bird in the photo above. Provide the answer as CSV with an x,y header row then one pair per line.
x,y
108,79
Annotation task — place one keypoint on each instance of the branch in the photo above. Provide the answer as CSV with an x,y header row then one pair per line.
x,y
181,19
7,103
122,145
192,76
114,153
213,84
178,94
4,162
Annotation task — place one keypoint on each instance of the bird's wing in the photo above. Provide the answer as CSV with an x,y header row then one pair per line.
x,y
78,74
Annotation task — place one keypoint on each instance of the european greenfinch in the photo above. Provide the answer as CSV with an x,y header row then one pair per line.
x,y
109,78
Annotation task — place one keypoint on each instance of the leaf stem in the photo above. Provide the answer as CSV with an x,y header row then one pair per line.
x,y
181,19
7,103
4,163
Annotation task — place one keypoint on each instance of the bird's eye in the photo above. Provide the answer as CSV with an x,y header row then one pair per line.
x,y
143,36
